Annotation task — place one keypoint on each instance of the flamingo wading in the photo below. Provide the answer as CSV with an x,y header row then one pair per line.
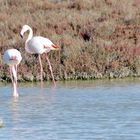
x,y
12,57
38,45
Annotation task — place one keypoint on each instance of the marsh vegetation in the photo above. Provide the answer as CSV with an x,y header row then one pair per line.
x,y
97,38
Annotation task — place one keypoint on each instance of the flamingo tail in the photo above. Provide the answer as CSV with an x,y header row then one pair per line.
x,y
55,47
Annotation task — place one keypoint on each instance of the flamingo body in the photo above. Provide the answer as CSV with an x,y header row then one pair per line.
x,y
38,45
12,57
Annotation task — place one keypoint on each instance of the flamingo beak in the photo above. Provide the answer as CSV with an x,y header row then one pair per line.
x,y
21,35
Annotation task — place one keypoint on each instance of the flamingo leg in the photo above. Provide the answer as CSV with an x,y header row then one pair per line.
x,y
16,68
50,67
41,69
16,74
11,75
14,80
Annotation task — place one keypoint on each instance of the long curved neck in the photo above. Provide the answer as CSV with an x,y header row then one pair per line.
x,y
30,34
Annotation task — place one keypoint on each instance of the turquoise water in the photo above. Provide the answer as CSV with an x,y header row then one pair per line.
x,y
88,110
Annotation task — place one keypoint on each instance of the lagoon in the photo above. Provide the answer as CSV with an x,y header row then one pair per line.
x,y
74,110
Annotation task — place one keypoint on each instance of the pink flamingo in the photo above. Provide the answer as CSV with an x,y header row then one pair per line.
x,y
12,57
38,45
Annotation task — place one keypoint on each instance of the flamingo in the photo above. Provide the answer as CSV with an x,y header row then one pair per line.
x,y
12,57
38,45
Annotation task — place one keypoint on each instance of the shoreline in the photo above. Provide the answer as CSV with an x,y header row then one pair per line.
x,y
97,40
80,77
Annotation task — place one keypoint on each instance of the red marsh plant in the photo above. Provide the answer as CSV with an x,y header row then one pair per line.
x,y
95,36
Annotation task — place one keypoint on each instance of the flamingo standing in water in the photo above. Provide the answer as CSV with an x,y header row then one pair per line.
x,y
12,57
38,45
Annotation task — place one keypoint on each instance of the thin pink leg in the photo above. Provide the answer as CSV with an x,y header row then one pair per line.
x,y
11,75
16,74
14,81
41,69
15,93
50,67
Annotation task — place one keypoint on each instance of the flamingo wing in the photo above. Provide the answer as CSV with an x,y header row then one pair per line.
x,y
39,45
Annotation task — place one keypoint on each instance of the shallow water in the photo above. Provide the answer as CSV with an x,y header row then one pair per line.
x,y
76,110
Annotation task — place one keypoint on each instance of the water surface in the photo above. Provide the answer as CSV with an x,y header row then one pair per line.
x,y
76,110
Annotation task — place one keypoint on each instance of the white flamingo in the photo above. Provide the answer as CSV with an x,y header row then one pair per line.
x,y
38,45
12,57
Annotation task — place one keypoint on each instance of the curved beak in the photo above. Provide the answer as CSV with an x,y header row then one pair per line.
x,y
21,35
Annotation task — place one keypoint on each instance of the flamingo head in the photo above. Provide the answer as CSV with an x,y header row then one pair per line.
x,y
24,29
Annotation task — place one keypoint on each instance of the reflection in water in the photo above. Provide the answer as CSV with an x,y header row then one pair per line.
x,y
25,111
15,117
71,111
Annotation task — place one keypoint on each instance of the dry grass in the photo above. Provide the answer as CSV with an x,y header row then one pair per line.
x,y
96,37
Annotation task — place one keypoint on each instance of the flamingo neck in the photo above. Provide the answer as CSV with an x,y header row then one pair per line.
x,y
30,34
